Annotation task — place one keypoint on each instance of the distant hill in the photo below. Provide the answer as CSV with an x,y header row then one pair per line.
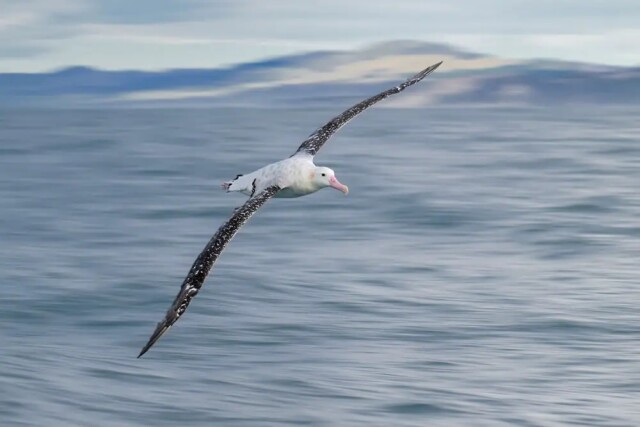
x,y
322,77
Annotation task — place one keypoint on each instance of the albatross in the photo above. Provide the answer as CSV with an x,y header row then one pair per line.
x,y
292,177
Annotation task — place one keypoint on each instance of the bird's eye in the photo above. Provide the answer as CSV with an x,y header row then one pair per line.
x,y
324,174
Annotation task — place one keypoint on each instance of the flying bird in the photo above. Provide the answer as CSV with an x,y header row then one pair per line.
x,y
292,177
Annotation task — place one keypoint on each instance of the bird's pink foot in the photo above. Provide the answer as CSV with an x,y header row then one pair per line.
x,y
225,186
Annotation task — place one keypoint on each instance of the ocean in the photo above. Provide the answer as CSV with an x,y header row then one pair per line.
x,y
483,271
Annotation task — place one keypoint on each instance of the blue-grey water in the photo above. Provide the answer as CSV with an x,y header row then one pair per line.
x,y
483,271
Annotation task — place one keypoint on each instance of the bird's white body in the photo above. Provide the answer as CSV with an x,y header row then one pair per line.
x,y
297,176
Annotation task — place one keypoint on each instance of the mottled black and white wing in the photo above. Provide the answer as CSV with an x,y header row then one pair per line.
x,y
203,264
317,139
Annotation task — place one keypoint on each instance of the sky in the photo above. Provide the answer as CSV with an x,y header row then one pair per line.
x,y
42,35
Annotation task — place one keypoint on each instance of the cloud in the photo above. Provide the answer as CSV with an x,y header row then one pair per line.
x,y
177,35
21,51
159,11
606,47
618,46
41,34
30,28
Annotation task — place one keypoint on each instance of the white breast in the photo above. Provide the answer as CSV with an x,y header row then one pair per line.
x,y
295,176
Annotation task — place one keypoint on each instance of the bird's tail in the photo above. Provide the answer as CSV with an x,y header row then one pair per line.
x,y
234,183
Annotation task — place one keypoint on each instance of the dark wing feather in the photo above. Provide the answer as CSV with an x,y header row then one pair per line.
x,y
195,279
317,139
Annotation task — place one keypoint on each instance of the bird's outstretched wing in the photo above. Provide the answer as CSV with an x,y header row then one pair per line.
x,y
194,280
317,139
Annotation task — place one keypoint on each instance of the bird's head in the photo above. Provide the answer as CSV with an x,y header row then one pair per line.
x,y
326,177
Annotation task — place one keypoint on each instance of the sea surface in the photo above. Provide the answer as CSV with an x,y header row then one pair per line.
x,y
483,271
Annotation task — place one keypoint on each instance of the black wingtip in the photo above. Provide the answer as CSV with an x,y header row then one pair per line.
x,y
160,330
424,73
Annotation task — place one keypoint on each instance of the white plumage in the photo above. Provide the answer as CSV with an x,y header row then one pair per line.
x,y
297,176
